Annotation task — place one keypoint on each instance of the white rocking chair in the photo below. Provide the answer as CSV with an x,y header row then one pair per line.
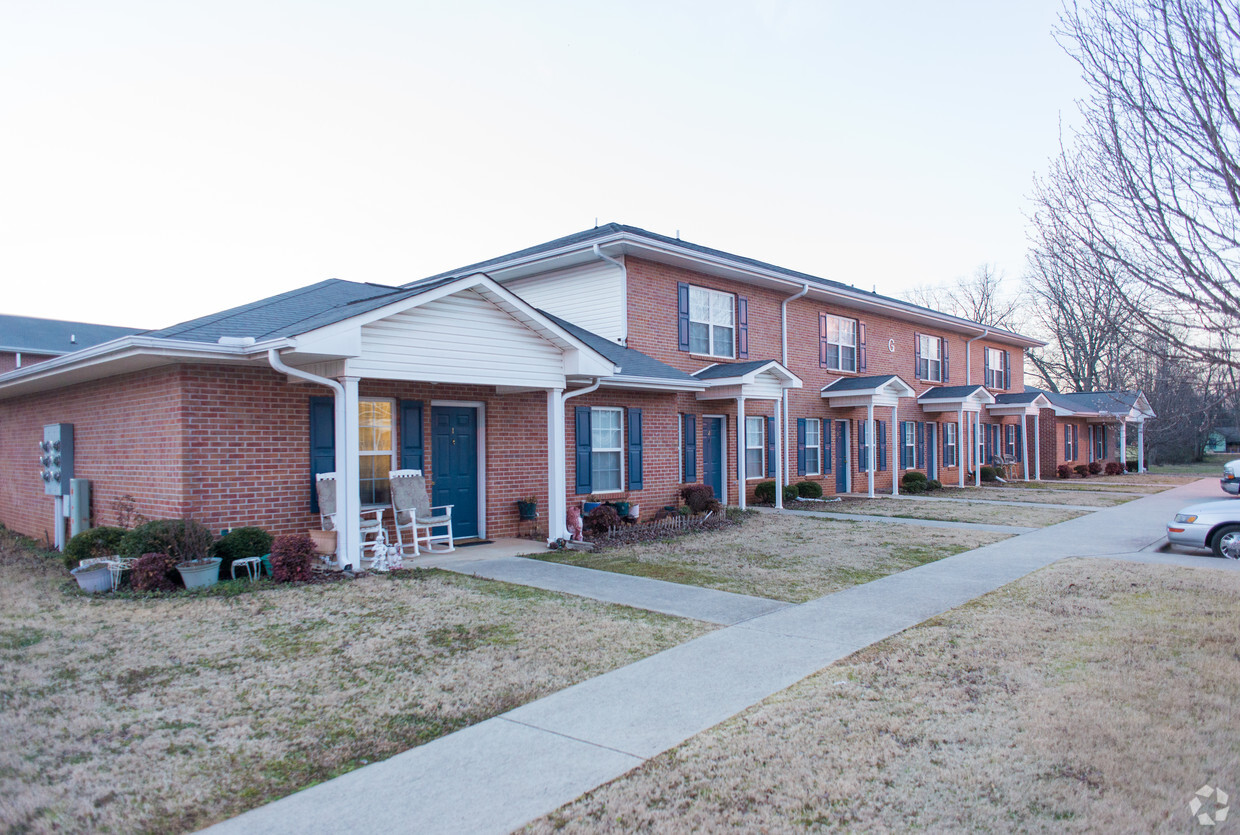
x,y
372,520
415,517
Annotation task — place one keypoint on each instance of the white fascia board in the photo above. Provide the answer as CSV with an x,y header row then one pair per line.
x,y
786,378
1142,408
942,406
654,383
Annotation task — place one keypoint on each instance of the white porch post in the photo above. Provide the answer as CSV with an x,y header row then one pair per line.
x,y
961,440
1024,446
740,451
348,481
1037,445
891,454
557,489
1140,448
870,446
1123,444
977,449
779,464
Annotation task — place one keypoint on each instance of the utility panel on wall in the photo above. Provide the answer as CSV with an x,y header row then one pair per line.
x,y
56,458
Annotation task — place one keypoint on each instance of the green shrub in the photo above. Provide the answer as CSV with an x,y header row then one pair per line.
x,y
764,493
790,493
239,543
989,474
181,539
291,558
155,572
934,484
102,541
809,490
913,477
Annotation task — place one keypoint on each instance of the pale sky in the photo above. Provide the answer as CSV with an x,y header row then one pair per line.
x,y
163,160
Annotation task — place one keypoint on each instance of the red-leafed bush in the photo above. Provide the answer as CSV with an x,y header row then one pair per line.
x,y
1115,468
1082,470
701,497
1095,467
602,519
155,572
1063,471
291,558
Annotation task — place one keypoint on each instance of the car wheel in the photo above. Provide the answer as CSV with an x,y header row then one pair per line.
x,y
1226,542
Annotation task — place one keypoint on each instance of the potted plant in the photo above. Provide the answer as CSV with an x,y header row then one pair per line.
x,y
589,504
622,508
94,577
190,545
527,507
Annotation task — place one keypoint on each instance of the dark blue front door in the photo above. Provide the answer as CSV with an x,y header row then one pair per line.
x,y
712,454
454,465
931,446
841,456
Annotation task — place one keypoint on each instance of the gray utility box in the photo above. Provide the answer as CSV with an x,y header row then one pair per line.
x,y
56,458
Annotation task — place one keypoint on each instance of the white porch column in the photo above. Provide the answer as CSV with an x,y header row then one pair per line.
x,y
557,489
961,440
779,464
740,451
977,449
1037,445
348,481
1140,448
870,446
892,456
1024,446
1123,444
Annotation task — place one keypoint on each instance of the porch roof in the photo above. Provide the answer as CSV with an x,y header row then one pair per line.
x,y
636,369
880,390
954,398
757,379
1019,403
1126,405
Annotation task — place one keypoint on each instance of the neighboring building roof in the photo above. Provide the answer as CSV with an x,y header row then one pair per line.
x,y
1229,434
589,237
28,334
1017,398
727,370
632,363
1093,402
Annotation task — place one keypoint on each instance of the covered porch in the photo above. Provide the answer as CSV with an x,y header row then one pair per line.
x,y
884,391
967,403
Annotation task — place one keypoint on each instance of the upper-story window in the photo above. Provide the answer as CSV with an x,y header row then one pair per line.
x,y
839,343
996,368
712,322
929,358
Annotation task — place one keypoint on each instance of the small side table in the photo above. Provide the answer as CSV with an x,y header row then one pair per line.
x,y
253,567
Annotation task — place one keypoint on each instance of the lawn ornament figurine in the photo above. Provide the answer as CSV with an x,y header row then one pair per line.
x,y
575,526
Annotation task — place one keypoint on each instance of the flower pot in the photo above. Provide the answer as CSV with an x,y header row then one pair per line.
x,y
93,578
586,507
622,508
199,573
635,511
527,510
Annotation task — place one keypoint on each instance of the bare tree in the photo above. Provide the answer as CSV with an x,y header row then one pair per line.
x,y
1150,187
983,297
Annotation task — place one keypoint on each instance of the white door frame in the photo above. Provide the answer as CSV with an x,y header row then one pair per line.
x,y
723,465
481,408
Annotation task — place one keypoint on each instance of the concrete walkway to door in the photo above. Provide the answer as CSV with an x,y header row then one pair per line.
x,y
501,773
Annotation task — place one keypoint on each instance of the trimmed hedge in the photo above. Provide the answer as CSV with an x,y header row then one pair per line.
x,y
102,541
1082,470
989,474
913,482
764,492
291,558
790,493
809,490
182,539
239,543
1063,471
1095,467
156,572
700,498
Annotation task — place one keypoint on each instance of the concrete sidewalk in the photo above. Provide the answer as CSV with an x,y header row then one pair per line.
x,y
904,520
501,773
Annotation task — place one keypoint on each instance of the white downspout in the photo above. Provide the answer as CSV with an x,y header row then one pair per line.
x,y
557,467
871,448
968,356
783,397
624,294
348,532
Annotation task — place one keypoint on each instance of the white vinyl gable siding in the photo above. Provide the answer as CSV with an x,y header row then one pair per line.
x,y
590,296
461,338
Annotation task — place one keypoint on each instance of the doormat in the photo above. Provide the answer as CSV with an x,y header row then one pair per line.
x,y
473,542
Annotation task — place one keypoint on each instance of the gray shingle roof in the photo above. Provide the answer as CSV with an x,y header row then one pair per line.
x,y
1113,402
948,392
609,229
725,370
632,363
29,334
857,383
1016,398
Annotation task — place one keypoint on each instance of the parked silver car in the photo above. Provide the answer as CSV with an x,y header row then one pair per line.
x,y
1214,525
1230,482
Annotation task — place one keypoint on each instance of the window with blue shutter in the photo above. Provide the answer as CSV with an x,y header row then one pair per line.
x,y
581,459
946,369
1020,443
880,439
861,361
682,317
828,430
863,448
921,444
688,451
322,442
412,447
770,447
742,327
1007,369
800,446
635,449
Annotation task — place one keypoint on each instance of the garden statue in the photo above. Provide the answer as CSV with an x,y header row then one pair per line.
x,y
575,526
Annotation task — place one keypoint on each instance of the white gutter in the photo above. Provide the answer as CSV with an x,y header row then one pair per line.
x,y
783,326
586,390
348,519
968,356
624,293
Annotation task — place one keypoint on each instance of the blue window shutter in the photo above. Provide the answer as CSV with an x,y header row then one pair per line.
x,y
688,435
801,446
861,347
880,440
635,449
1020,442
411,444
921,445
825,431
770,447
1007,369
1076,442
584,448
822,340
742,327
917,356
863,457
322,442
943,345
1067,442
682,317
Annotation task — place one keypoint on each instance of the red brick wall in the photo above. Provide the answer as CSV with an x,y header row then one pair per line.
x,y
8,360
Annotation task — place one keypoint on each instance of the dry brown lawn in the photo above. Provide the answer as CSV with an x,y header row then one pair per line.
x,y
167,715
1029,517
784,557
1034,496
1091,696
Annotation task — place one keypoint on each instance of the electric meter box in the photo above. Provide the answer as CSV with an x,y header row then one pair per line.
x,y
56,458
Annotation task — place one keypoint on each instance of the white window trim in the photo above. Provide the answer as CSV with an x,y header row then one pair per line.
x,y
761,448
710,326
994,374
856,325
816,447
908,441
949,444
391,453
593,449
925,340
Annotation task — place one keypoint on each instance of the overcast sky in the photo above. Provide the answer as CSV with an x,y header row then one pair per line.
x,y
162,160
